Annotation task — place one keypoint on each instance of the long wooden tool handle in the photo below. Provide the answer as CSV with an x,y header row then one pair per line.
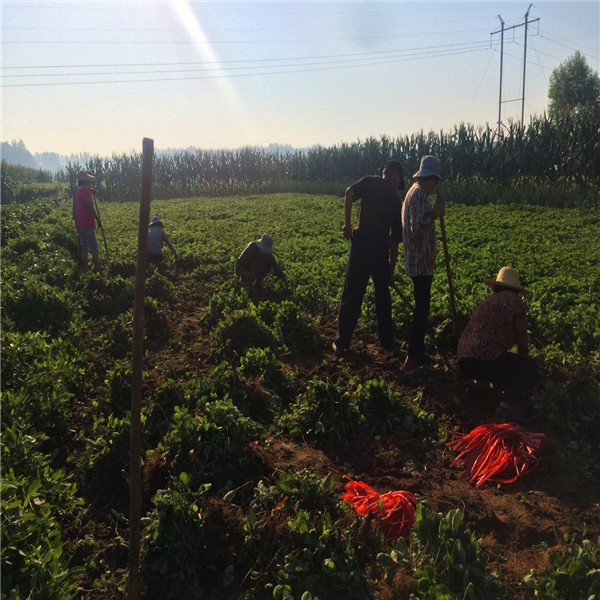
x,y
406,301
449,273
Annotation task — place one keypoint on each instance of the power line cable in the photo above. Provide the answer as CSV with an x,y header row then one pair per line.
x,y
466,45
288,69
479,86
555,41
207,42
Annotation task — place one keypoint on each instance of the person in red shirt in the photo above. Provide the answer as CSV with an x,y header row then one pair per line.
x,y
498,324
86,219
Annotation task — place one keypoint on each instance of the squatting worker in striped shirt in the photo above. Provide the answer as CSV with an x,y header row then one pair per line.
x,y
418,240
373,252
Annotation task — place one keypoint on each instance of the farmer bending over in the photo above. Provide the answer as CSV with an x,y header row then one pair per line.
x,y
373,252
86,218
495,327
156,238
418,232
256,261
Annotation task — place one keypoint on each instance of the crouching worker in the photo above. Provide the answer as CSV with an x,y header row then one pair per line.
x,y
495,327
257,261
156,238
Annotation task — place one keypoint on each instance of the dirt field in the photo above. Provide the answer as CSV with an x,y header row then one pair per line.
x,y
520,524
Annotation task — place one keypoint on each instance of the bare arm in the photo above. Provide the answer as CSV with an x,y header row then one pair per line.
x,y
522,345
89,202
393,260
348,201
439,208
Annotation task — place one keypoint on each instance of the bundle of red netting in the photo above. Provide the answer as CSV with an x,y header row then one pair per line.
x,y
395,511
500,452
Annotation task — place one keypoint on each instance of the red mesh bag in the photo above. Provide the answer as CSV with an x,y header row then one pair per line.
x,y
500,452
395,511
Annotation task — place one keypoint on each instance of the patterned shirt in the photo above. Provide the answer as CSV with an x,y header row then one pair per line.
x,y
494,328
418,233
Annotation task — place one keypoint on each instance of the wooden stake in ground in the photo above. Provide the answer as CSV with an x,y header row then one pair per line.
x,y
448,271
136,375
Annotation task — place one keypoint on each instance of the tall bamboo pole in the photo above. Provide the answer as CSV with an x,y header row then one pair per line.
x,y
136,375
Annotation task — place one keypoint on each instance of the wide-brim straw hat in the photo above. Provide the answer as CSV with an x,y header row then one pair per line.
x,y
430,166
266,243
507,277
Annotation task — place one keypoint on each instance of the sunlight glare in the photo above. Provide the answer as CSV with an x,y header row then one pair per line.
x,y
194,28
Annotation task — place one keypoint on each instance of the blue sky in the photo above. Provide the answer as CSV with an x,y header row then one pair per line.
x,y
98,77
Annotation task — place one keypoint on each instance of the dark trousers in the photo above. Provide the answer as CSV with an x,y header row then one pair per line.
x,y
418,327
514,373
154,259
368,259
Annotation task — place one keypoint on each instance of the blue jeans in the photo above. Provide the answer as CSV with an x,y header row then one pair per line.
x,y
368,258
87,241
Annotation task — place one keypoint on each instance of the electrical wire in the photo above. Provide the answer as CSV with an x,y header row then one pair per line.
x,y
288,69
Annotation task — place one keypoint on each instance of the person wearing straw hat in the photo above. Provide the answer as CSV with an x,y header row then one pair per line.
x,y
373,253
156,238
86,218
498,324
257,260
419,246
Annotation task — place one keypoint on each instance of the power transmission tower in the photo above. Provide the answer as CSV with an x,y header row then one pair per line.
x,y
522,98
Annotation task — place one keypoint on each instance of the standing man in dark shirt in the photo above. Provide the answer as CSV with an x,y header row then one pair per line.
x,y
373,252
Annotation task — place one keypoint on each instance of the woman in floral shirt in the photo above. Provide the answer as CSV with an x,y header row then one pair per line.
x,y
497,325
418,243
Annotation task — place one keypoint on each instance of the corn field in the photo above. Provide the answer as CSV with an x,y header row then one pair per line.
x,y
552,161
